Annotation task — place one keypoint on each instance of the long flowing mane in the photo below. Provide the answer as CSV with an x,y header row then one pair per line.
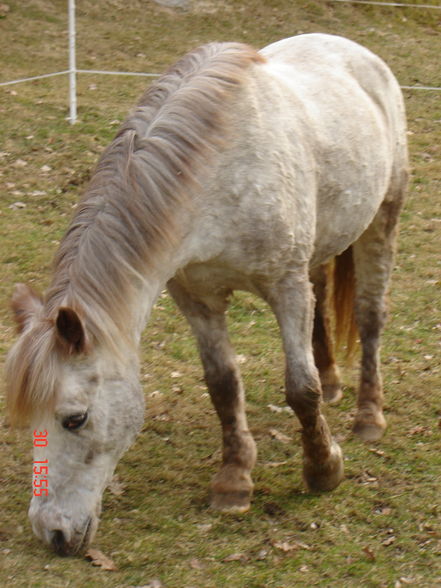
x,y
130,211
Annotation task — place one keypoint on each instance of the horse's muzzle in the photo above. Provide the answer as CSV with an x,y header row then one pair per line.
x,y
59,543
76,545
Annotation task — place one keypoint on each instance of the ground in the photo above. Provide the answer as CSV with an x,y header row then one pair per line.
x,y
381,526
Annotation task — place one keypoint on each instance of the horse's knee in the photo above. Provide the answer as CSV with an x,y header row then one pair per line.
x,y
303,392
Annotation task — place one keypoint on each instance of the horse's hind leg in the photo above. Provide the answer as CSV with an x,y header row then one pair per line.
x,y
322,339
232,486
373,260
292,302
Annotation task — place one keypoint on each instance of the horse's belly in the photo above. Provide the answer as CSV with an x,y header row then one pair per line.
x,y
212,281
343,218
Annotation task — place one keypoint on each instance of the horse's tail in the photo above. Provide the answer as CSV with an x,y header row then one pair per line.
x,y
346,332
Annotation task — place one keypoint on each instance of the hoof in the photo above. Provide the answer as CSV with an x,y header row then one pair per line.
x,y
231,490
232,502
332,393
369,427
326,476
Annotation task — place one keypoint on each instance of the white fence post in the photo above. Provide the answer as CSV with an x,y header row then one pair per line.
x,y
72,64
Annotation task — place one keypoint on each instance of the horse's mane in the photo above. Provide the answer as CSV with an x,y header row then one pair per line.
x,y
130,213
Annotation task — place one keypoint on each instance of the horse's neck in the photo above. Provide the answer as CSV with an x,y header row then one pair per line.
x,y
153,283
148,294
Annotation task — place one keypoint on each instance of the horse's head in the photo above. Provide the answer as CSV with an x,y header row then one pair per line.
x,y
85,409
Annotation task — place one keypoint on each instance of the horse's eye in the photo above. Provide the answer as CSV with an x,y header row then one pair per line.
x,y
74,421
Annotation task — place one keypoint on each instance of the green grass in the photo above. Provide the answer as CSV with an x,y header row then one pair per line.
x,y
380,528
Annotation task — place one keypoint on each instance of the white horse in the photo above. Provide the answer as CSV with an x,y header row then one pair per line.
x,y
238,170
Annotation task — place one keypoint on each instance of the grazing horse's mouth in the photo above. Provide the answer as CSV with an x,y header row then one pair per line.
x,y
61,547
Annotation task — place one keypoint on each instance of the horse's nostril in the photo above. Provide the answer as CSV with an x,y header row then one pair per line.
x,y
59,542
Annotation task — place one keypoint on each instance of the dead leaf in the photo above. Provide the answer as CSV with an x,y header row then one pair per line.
x,y
378,452
367,478
155,393
279,409
383,510
196,564
20,163
389,541
369,553
176,375
4,9
236,557
262,554
152,584
164,417
100,560
419,430
286,546
280,436
275,464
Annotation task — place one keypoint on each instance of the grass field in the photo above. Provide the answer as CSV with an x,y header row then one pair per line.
x,y
381,527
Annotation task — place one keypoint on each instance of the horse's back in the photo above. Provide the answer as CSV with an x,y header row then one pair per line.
x,y
353,117
322,59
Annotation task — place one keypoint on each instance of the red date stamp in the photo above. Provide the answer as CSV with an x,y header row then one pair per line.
x,y
41,468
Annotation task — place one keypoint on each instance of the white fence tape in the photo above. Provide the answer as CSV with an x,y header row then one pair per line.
x,y
400,4
49,75
118,73
421,88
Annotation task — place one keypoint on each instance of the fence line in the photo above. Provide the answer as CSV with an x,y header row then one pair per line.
x,y
147,75
73,71
400,4
81,71
433,88
49,75
118,73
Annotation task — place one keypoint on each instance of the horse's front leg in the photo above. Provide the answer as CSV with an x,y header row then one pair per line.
x,y
293,304
232,486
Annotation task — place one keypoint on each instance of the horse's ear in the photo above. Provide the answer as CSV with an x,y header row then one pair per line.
x,y
25,304
71,331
